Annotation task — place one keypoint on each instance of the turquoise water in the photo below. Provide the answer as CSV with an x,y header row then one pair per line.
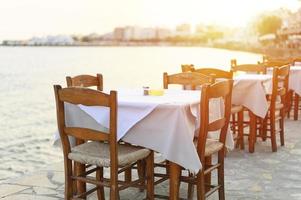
x,y
27,109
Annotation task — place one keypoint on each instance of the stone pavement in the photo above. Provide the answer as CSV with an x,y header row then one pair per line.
x,y
262,175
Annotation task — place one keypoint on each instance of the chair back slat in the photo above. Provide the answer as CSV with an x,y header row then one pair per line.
x,y
220,90
217,125
187,68
85,81
215,73
284,70
84,96
86,134
185,79
249,68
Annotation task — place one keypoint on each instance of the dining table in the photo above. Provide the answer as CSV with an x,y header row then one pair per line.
x,y
164,123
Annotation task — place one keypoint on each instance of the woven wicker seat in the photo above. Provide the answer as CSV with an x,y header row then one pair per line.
x,y
98,153
278,105
212,146
235,109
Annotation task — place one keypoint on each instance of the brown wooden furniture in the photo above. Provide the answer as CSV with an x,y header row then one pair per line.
x,y
277,107
97,148
248,68
207,147
290,96
236,110
85,81
185,79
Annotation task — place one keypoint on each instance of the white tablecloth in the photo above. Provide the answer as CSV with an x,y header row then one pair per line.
x,y
250,91
295,79
165,123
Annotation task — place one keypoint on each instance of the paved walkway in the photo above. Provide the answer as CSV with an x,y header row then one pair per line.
x,y
262,175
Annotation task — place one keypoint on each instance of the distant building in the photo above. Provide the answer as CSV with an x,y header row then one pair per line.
x,y
119,33
51,40
163,33
183,30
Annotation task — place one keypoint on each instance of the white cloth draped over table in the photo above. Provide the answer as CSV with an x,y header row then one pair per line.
x,y
165,123
250,91
295,79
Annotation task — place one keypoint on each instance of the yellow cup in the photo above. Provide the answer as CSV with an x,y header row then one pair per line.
x,y
156,92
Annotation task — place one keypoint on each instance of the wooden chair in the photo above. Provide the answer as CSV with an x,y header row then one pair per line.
x,y
96,81
236,110
207,147
186,79
101,151
276,110
248,68
86,81
291,98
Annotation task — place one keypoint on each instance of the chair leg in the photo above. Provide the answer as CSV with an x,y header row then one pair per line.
x,y
114,193
128,175
190,190
207,177
281,126
150,176
174,181
220,175
69,183
240,126
264,128
80,169
100,190
234,122
141,166
200,184
289,100
296,106
273,134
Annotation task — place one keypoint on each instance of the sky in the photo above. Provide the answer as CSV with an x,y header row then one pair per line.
x,y
22,19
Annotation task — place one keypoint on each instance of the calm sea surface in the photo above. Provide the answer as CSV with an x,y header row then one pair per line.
x,y
27,109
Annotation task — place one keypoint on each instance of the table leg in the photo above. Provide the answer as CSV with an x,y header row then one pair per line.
x,y
174,184
252,134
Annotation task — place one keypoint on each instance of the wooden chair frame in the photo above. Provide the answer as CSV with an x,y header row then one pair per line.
x,y
85,81
223,90
89,97
280,88
186,79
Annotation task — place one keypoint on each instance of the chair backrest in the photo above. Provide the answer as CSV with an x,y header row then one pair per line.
x,y
222,89
280,84
88,97
187,67
248,68
85,81
186,79
277,63
296,61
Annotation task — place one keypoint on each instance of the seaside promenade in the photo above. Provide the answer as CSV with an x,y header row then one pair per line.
x,y
262,175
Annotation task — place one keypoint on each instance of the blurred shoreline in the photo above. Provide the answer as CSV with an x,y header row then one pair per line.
x,y
271,51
